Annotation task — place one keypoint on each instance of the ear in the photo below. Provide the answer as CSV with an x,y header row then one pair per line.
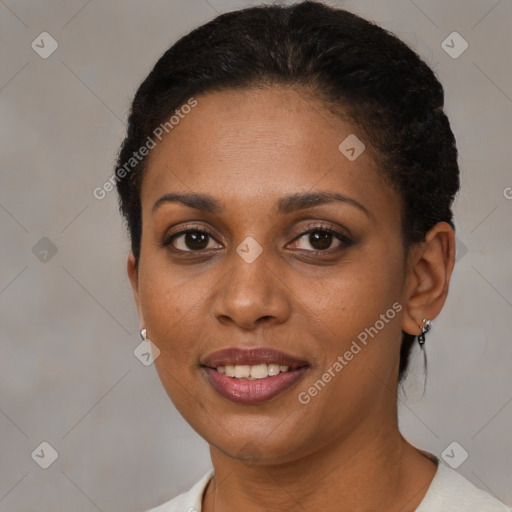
x,y
429,271
133,274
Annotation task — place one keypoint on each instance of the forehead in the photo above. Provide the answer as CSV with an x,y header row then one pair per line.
x,y
260,144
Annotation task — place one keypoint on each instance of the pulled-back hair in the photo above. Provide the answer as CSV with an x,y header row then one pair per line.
x,y
383,86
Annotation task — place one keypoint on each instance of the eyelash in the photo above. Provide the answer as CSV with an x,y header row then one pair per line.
x,y
344,239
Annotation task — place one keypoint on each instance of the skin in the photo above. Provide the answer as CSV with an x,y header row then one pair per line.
x,y
343,450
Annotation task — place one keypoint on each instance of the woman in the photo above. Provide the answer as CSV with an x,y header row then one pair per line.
x,y
287,181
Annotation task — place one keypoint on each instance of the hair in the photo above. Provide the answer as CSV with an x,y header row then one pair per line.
x,y
383,86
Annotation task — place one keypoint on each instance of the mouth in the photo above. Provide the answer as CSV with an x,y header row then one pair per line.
x,y
250,376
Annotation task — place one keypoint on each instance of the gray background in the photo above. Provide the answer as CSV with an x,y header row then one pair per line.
x,y
68,375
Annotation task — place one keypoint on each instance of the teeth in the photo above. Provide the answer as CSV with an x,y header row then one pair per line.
x,y
229,371
242,371
259,371
256,371
273,369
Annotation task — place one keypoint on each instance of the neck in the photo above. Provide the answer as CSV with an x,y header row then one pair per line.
x,y
350,474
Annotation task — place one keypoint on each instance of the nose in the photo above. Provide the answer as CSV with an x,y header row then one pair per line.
x,y
252,294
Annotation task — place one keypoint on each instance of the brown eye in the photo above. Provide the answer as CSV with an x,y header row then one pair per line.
x,y
195,240
190,240
321,239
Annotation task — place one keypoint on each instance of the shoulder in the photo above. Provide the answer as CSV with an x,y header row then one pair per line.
x,y
448,491
451,491
189,501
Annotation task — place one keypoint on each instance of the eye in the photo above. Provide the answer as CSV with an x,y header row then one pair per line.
x,y
321,238
190,240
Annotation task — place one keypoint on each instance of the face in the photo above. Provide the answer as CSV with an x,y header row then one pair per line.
x,y
265,247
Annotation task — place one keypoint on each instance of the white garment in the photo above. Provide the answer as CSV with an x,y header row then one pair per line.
x,y
448,492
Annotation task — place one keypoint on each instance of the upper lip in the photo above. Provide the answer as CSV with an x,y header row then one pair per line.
x,y
243,356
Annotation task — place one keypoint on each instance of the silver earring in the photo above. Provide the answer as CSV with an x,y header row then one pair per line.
x,y
142,334
427,325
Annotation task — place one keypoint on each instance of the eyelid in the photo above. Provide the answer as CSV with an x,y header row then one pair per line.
x,y
320,226
187,228
345,239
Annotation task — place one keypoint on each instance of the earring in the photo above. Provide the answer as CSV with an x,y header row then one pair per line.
x,y
427,325
142,334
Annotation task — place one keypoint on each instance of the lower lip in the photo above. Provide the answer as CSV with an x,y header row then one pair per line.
x,y
245,391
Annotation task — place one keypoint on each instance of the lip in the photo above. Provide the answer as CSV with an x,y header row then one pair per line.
x,y
238,356
244,391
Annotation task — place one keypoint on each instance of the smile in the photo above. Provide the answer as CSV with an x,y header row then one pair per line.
x,y
251,372
252,376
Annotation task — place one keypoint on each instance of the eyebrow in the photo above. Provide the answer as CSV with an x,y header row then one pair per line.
x,y
287,204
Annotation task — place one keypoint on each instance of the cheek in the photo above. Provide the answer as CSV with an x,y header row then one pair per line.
x,y
355,294
357,316
167,307
172,323
176,307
